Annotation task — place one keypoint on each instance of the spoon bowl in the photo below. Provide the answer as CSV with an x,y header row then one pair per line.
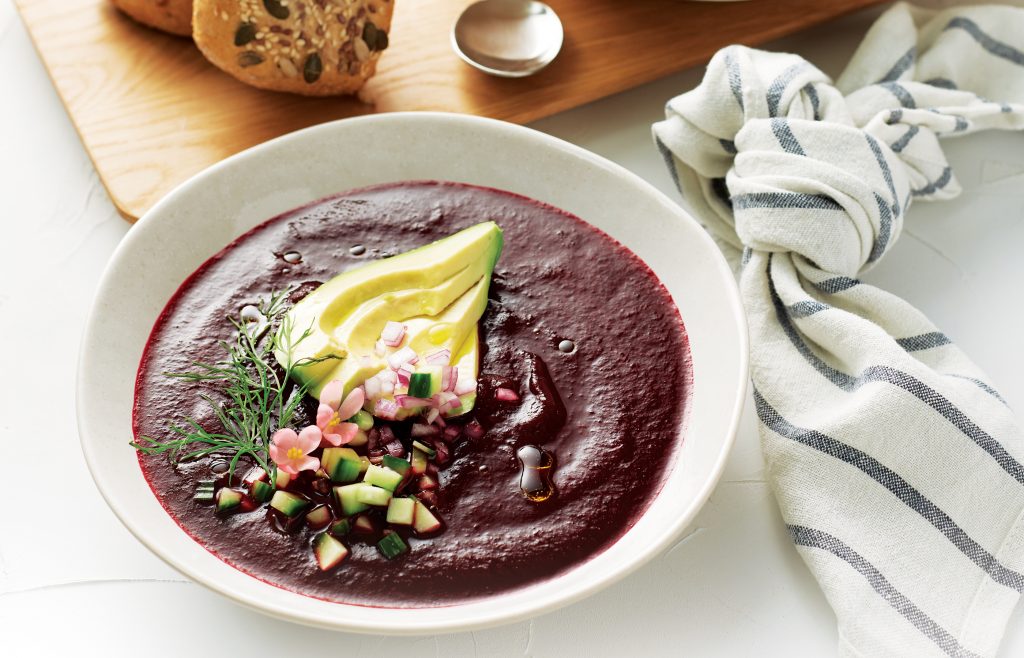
x,y
508,38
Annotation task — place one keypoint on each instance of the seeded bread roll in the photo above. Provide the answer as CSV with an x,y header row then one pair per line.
x,y
310,47
174,16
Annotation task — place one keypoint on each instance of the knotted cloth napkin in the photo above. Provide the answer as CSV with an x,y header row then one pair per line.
x,y
898,468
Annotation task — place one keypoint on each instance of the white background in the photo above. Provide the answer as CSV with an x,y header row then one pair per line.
x,y
72,580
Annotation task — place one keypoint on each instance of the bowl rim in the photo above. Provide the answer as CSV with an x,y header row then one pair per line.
x,y
411,627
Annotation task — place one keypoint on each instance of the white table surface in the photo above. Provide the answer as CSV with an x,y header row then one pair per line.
x,y
74,581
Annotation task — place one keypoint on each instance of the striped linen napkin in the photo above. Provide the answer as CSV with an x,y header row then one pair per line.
x,y
897,467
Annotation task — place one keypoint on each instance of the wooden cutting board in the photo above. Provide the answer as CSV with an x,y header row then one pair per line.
x,y
152,112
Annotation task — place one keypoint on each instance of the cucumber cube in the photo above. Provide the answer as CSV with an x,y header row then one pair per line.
x,y
401,511
228,499
204,492
385,478
363,419
360,439
318,517
254,475
346,496
419,385
340,528
396,464
419,445
282,480
346,470
375,496
289,504
392,546
418,462
329,551
434,373
364,525
332,456
425,522
261,491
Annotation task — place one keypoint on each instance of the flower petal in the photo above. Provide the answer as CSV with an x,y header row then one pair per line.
x,y
309,439
332,392
284,438
308,464
324,413
275,453
331,439
346,432
352,404
287,468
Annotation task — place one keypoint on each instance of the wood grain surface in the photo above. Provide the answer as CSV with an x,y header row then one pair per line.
x,y
152,112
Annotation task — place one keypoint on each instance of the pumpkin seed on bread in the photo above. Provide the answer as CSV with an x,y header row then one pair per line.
x,y
311,47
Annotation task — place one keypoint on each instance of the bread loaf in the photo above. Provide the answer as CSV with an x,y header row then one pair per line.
x,y
311,47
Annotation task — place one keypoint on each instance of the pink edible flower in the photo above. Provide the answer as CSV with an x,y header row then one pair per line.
x,y
332,413
290,451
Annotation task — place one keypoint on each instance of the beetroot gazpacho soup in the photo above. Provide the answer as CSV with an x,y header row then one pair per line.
x,y
412,395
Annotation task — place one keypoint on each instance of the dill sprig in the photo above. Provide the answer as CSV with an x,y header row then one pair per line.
x,y
258,392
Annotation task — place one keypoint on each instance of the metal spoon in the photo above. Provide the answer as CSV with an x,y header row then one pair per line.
x,y
508,38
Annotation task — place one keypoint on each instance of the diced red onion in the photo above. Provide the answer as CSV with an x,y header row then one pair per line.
x,y
380,348
465,386
452,432
386,389
385,408
404,355
372,388
409,402
448,401
387,376
440,357
393,333
449,376
420,430
428,497
473,429
395,448
433,415
442,452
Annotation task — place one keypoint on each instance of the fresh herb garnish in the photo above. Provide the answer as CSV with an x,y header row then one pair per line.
x,y
258,393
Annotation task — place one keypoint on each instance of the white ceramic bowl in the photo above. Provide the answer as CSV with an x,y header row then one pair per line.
x,y
201,216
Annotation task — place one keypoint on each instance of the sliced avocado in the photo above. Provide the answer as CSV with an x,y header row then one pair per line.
x,y
439,291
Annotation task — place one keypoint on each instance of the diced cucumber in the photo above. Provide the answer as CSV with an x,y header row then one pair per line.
x,y
289,504
255,474
370,495
282,480
363,419
228,499
430,452
332,456
434,374
329,551
385,478
401,511
359,439
364,463
396,464
418,462
261,491
340,528
206,484
346,496
425,522
318,517
419,385
364,525
392,546
204,493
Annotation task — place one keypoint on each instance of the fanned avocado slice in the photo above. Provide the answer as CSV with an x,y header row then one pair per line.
x,y
439,291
